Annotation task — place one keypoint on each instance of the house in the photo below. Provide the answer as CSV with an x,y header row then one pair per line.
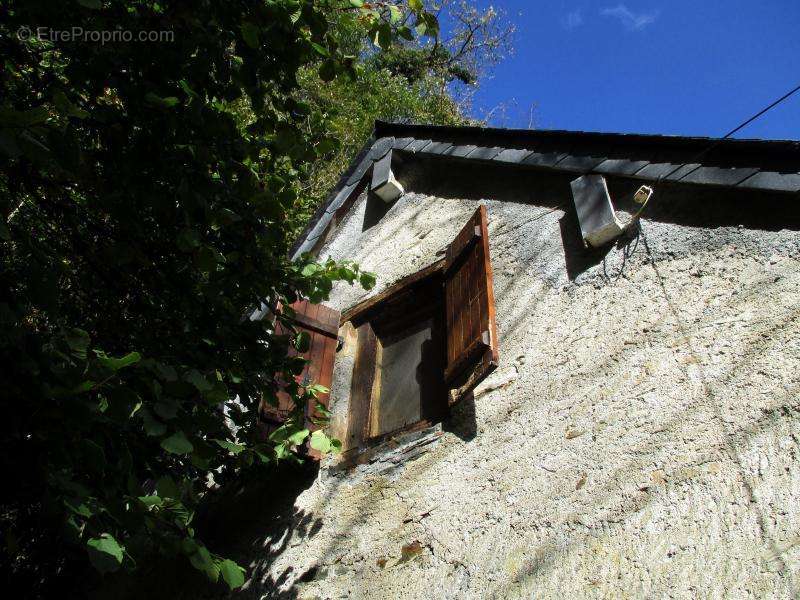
x,y
564,384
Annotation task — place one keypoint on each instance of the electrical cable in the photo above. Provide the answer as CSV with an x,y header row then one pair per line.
x,y
730,133
714,144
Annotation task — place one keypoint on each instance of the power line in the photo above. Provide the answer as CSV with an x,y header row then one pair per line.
x,y
758,114
730,133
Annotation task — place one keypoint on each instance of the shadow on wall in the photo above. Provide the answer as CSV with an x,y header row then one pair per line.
x,y
552,553
577,256
258,520
462,422
375,210
680,204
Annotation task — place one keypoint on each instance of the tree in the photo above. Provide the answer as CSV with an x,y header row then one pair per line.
x,y
422,79
143,219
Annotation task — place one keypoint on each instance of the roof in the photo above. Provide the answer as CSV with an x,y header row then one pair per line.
x,y
766,165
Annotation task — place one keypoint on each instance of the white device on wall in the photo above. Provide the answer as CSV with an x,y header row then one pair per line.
x,y
384,184
598,221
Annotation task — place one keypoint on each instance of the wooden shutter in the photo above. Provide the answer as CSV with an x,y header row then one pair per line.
x,y
322,324
469,305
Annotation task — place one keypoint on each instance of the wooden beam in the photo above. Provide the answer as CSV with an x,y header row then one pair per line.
x,y
364,373
401,285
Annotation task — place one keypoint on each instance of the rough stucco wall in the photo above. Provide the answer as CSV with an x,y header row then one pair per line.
x,y
640,437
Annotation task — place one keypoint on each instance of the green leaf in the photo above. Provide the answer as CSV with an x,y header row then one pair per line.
x,y
202,561
152,426
298,437
66,107
24,118
167,488
218,393
310,269
321,50
404,31
188,90
206,259
166,410
78,342
115,364
79,508
281,451
188,240
415,5
395,14
280,434
322,409
198,380
250,34
356,3
105,553
157,101
177,444
232,573
367,280
383,36
302,342
327,70
317,389
150,501
320,442
294,17
230,446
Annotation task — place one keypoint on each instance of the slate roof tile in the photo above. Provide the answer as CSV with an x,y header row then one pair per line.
x,y
543,159
620,166
436,148
460,151
719,175
771,180
512,155
483,153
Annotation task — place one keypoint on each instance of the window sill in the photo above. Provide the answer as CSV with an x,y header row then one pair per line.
x,y
387,454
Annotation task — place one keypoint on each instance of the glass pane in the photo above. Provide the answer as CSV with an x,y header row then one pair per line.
x,y
410,373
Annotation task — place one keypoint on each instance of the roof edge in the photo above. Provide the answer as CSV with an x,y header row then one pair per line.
x,y
762,165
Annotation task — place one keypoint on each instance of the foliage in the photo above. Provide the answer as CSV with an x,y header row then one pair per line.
x,y
415,79
143,220
351,108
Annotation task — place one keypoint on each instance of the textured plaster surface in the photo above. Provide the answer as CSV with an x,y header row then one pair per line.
x,y
640,438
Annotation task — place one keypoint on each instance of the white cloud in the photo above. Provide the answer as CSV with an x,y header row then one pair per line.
x,y
630,19
573,19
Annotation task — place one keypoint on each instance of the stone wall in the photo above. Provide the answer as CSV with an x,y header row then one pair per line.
x,y
640,437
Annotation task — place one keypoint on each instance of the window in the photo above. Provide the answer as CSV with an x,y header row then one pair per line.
x,y
322,324
421,346
424,343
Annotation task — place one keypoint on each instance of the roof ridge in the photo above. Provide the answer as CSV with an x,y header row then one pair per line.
x,y
396,129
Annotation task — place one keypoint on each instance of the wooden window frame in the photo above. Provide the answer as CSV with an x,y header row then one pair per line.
x,y
365,385
322,323
469,330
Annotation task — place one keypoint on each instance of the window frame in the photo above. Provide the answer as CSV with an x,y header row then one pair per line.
x,y
470,342
365,381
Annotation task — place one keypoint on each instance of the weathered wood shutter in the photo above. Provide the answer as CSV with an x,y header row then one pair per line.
x,y
322,324
472,350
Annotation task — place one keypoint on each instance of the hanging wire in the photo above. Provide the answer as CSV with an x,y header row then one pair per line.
x,y
717,142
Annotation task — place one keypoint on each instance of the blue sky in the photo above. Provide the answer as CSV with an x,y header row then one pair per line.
x,y
684,67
